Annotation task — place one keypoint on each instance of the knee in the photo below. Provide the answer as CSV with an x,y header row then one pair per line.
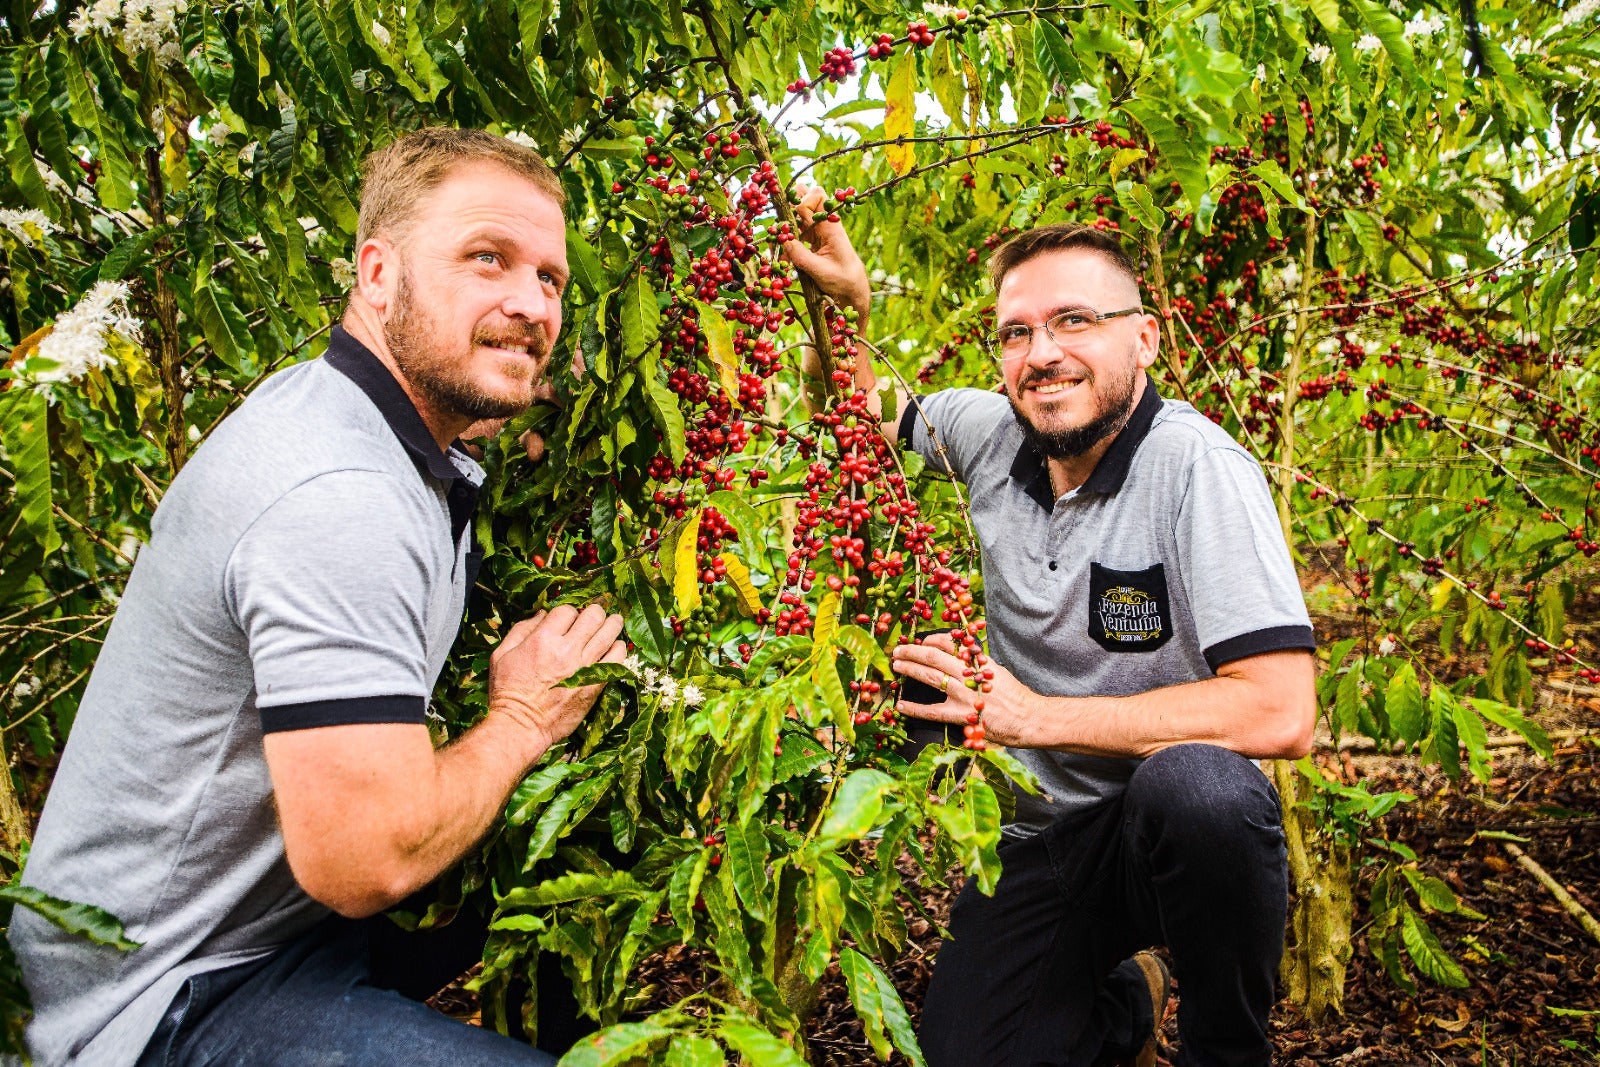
x,y
1202,792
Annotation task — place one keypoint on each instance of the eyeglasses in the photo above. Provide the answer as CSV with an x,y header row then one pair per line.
x,y
1016,340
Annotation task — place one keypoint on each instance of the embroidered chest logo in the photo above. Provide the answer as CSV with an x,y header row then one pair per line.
x,y
1128,610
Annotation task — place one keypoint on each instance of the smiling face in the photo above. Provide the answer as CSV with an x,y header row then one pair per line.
x,y
1068,399
471,294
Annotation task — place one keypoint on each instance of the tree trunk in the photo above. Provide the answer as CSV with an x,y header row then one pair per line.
x,y
14,829
1318,948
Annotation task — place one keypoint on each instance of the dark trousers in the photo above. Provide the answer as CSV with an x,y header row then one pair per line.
x,y
350,993
1190,857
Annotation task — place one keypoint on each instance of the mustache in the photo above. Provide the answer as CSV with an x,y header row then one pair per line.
x,y
533,335
1051,376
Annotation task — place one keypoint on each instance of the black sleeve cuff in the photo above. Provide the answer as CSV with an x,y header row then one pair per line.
x,y
908,420
350,712
1272,639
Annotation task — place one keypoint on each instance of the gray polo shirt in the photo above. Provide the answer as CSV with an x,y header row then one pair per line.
x,y
1165,564
307,568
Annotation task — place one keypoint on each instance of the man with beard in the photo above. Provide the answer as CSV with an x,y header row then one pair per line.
x,y
1148,641
251,775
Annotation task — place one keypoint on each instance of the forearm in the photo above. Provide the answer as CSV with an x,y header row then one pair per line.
x,y
470,782
1229,712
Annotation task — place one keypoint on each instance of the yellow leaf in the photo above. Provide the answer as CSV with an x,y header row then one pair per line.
x,y
1442,593
719,340
685,575
739,574
900,119
1120,161
827,625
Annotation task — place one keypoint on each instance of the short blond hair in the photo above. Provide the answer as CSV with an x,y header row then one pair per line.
x,y
399,175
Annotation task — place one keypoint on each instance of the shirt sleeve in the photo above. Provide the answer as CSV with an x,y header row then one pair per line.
x,y
960,421
330,586
1240,580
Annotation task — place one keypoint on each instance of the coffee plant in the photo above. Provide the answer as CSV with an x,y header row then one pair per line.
x,y
1367,230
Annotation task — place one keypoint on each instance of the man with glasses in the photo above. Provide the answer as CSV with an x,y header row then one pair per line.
x,y
1148,641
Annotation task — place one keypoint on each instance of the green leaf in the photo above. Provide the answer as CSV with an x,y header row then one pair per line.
x,y
862,647
745,853
536,789
665,410
597,674
225,328
584,261
855,807
24,429
564,813
693,1050
1177,147
1509,718
80,920
744,519
879,1007
641,316
1423,946
570,887
1403,703
1056,61
617,1045
759,1047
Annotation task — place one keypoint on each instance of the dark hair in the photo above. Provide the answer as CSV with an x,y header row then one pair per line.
x,y
397,176
1062,235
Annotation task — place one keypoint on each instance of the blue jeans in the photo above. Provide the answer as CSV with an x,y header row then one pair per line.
x,y
1191,856
317,1001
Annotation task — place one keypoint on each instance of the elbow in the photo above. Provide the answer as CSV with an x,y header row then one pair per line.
x,y
353,894
1292,731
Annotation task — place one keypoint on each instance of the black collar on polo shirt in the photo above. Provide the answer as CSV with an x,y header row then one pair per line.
x,y
1030,470
355,361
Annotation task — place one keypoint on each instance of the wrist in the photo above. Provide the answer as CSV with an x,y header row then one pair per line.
x,y
520,726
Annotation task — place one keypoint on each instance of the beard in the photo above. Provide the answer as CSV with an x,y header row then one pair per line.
x,y
1115,406
444,379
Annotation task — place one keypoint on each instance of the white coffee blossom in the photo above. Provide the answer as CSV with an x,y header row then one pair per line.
x,y
52,181
28,224
1387,645
1582,11
344,273
1368,43
1519,46
632,663
380,34
692,696
1261,72
27,686
78,342
667,687
1319,53
943,12
217,134
99,17
520,138
1423,26
141,25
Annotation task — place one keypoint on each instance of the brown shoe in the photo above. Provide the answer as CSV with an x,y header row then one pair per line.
x,y
1159,979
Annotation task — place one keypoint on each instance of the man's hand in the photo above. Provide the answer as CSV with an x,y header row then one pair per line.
x,y
827,256
934,661
539,653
